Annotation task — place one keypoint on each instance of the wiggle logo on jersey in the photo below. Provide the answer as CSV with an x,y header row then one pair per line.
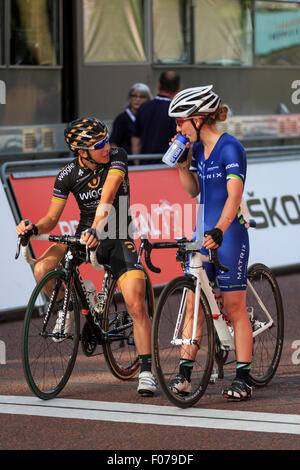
x,y
66,171
91,194
94,183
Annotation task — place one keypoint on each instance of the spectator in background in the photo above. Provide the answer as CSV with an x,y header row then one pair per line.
x,y
123,125
153,127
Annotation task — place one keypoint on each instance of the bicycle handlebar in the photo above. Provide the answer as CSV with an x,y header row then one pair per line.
x,y
213,257
188,246
23,242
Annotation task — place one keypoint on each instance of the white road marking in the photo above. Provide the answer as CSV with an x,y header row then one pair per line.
x,y
151,414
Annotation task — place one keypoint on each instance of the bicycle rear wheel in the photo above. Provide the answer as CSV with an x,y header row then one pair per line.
x,y
118,346
265,309
174,299
47,363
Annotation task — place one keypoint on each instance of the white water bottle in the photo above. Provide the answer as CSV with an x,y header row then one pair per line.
x,y
92,293
175,151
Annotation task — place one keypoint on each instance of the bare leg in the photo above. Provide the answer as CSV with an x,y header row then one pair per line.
x,y
46,263
235,306
133,291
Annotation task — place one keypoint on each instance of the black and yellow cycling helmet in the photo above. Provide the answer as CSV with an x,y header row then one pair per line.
x,y
86,134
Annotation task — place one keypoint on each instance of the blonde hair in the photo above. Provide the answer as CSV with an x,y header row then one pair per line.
x,y
220,115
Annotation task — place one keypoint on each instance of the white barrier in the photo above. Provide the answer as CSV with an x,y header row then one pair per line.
x,y
272,195
17,281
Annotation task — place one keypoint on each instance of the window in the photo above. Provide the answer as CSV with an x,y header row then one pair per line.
x,y
34,32
171,31
217,32
113,31
223,32
277,33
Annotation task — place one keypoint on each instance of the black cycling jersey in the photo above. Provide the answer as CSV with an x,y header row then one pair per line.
x,y
86,185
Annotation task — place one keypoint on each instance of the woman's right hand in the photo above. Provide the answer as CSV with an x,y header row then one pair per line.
x,y
24,227
183,165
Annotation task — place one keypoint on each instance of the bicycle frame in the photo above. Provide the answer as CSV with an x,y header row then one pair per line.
x,y
72,273
270,323
196,269
106,284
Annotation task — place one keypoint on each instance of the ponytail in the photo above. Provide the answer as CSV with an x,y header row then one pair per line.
x,y
221,114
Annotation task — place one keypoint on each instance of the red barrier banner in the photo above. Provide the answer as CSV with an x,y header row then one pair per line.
x,y
159,206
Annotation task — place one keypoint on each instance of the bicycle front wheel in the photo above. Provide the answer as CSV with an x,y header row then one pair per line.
x,y
265,309
48,363
119,347
171,330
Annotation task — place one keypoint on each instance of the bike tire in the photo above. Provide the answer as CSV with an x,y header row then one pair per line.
x,y
121,355
267,346
166,355
48,364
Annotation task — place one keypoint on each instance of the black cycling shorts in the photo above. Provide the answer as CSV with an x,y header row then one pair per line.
x,y
122,257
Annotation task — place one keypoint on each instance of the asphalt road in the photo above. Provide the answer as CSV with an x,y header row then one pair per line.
x,y
96,411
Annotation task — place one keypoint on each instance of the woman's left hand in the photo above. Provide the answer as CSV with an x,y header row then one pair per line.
x,y
90,238
213,238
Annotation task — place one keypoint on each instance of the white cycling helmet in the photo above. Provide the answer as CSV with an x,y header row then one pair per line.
x,y
194,101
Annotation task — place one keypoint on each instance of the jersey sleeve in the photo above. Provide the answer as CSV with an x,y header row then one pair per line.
x,y
118,162
61,187
234,161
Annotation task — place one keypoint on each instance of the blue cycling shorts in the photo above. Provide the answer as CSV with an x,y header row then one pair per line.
x,y
233,253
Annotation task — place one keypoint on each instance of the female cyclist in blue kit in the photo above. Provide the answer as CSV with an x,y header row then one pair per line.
x,y
216,169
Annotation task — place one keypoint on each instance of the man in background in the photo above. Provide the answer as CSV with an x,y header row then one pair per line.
x,y
153,127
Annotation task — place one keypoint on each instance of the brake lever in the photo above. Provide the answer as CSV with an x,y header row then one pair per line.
x,y
22,240
87,256
87,253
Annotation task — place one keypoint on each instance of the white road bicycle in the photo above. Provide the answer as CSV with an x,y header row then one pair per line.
x,y
181,329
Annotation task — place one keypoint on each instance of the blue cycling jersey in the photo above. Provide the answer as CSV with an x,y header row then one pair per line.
x,y
226,161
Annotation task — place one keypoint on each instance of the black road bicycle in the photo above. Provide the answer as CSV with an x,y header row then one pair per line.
x,y
49,357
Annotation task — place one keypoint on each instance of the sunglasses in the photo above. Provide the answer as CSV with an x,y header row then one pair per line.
x,y
141,97
180,121
99,145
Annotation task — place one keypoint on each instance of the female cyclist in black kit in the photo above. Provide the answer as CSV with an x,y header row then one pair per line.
x,y
98,179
